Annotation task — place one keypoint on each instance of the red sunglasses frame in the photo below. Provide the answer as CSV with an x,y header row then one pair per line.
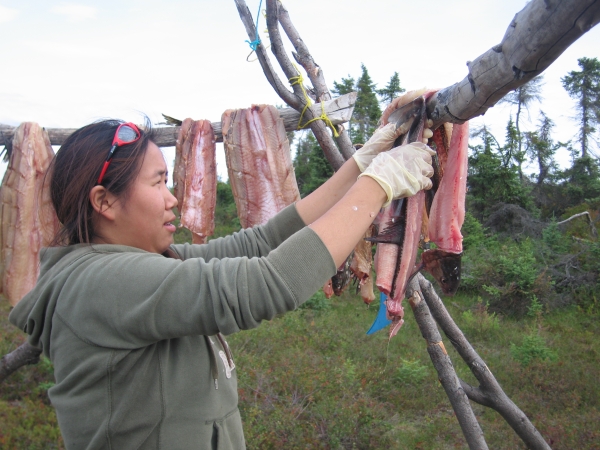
x,y
117,142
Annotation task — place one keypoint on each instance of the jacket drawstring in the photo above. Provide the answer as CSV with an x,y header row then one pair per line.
x,y
227,350
214,368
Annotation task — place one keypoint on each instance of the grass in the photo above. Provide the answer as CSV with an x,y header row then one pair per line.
x,y
314,379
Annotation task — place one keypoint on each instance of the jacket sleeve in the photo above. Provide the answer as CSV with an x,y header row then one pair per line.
x,y
131,299
257,241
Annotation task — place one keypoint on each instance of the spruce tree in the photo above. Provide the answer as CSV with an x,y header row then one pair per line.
x,y
391,90
522,97
584,86
490,181
310,165
366,109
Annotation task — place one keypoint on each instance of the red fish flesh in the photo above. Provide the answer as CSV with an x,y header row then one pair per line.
x,y
259,163
195,178
28,218
448,209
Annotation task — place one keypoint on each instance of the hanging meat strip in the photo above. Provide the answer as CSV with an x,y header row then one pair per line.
x,y
28,218
259,163
195,178
361,268
447,215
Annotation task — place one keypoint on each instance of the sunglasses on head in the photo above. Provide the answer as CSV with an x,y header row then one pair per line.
x,y
127,133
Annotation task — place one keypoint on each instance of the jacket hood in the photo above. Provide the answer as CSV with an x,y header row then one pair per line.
x,y
34,313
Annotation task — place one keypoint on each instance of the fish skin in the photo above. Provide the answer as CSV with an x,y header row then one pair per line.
x,y
259,163
445,267
343,276
410,247
28,219
386,254
195,178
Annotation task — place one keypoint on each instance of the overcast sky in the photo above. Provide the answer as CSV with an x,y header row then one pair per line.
x,y
66,64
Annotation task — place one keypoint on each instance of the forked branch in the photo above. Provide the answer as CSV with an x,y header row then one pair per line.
x,y
489,393
443,365
297,98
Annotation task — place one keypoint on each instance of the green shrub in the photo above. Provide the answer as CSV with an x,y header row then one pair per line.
x,y
479,320
411,372
554,238
473,232
318,302
533,347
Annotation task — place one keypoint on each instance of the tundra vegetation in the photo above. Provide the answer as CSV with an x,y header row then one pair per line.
x,y
528,303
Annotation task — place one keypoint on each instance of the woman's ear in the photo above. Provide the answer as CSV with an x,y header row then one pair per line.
x,y
102,202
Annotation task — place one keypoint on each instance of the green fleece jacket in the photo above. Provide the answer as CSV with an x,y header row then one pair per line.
x,y
134,336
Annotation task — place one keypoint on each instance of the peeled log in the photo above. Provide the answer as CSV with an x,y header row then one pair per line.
x,y
27,216
535,38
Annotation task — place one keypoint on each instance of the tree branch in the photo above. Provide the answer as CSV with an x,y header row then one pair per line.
x,y
315,74
489,388
589,218
538,35
442,363
287,96
318,127
23,355
339,110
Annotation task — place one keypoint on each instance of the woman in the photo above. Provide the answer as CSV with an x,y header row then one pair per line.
x,y
133,323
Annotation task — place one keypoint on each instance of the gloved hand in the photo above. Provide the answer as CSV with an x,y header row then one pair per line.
x,y
381,141
402,171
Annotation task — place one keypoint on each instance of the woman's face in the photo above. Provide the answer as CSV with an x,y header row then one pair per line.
x,y
145,220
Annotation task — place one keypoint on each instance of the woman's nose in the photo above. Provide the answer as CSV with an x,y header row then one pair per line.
x,y
171,200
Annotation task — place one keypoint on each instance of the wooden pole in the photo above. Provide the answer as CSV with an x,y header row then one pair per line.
x,y
537,35
338,109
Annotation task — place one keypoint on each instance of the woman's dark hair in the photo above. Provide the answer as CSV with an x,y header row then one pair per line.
x,y
75,169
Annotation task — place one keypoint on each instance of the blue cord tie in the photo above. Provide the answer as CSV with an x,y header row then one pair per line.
x,y
255,43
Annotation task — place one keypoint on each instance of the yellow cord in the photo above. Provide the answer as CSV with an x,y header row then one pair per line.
x,y
300,80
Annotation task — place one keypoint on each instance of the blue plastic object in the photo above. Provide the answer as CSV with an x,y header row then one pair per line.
x,y
381,321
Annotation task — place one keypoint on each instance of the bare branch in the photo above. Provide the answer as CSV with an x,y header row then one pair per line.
x,y
489,388
589,218
538,35
315,73
287,96
23,355
318,128
442,363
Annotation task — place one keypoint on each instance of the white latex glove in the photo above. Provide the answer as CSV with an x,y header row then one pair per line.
x,y
381,141
402,171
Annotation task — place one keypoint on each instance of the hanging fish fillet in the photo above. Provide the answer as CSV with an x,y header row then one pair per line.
x,y
195,178
259,163
448,209
447,215
28,218
361,268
